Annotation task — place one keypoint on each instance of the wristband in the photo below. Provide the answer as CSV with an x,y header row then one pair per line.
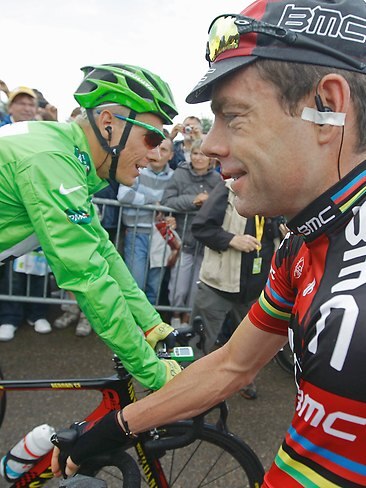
x,y
128,433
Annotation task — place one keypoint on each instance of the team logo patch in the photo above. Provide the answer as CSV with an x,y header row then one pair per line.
x,y
298,268
78,216
309,288
83,157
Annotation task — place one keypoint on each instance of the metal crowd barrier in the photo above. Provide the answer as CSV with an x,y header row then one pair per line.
x,y
51,294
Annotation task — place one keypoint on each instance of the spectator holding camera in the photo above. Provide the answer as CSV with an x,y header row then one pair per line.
x,y
191,130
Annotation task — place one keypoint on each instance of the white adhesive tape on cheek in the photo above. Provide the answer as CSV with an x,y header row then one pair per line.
x,y
321,118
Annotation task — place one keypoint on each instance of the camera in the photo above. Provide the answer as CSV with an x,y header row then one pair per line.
x,y
188,129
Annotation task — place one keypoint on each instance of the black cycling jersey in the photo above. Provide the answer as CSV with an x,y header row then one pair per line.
x,y
316,292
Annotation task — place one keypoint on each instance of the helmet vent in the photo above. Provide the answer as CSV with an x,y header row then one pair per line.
x,y
86,87
153,82
139,89
168,110
100,74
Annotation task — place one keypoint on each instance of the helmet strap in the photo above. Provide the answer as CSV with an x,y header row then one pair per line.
x,y
115,151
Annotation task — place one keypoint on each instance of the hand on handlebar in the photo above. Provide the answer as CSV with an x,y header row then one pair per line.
x,y
161,333
172,368
164,333
91,439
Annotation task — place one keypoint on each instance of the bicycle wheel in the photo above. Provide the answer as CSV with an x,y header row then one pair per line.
x,y
2,401
215,459
117,468
285,359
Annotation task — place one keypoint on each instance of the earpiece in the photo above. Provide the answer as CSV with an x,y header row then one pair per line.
x,y
322,114
109,130
320,106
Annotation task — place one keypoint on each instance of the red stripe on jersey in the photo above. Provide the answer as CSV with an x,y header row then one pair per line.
x,y
335,423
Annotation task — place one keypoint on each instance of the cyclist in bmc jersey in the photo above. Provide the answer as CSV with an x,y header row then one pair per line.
x,y
288,89
48,174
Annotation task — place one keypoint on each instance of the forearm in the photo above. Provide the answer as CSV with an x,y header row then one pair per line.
x,y
185,397
207,381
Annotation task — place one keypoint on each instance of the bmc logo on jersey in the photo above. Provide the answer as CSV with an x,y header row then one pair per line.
x,y
324,22
316,222
339,424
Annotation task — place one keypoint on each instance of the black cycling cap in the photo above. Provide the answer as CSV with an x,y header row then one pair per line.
x,y
326,33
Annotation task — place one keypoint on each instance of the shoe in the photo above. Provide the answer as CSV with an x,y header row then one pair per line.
x,y
42,326
66,319
7,332
83,328
249,392
175,322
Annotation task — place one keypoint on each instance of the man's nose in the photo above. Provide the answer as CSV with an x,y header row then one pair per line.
x,y
215,145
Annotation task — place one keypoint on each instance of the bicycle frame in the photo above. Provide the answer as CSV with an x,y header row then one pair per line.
x,y
117,391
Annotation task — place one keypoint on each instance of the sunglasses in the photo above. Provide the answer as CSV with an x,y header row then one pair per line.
x,y
225,32
153,138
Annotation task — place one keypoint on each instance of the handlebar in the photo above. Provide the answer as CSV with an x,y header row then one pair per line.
x,y
176,441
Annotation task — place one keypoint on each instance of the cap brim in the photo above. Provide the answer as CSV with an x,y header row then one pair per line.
x,y
202,91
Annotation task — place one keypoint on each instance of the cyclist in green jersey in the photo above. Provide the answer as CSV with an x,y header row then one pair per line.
x,y
48,174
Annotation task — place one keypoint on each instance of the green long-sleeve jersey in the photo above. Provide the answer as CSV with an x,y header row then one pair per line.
x,y
47,179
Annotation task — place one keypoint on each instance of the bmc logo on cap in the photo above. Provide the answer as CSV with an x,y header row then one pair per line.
x,y
324,22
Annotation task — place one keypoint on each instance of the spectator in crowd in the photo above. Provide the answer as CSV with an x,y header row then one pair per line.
x,y
191,130
71,315
45,111
236,263
22,106
109,213
186,192
29,271
74,113
147,189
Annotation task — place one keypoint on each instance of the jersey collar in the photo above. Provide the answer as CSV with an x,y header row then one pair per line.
x,y
332,207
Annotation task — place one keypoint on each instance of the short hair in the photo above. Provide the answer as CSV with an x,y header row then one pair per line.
x,y
294,81
194,118
196,144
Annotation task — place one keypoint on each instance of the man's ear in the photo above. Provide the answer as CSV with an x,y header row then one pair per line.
x,y
105,123
333,94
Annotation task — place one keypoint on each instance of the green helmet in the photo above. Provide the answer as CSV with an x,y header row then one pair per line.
x,y
130,86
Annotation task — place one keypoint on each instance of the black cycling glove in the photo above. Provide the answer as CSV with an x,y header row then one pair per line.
x,y
96,438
